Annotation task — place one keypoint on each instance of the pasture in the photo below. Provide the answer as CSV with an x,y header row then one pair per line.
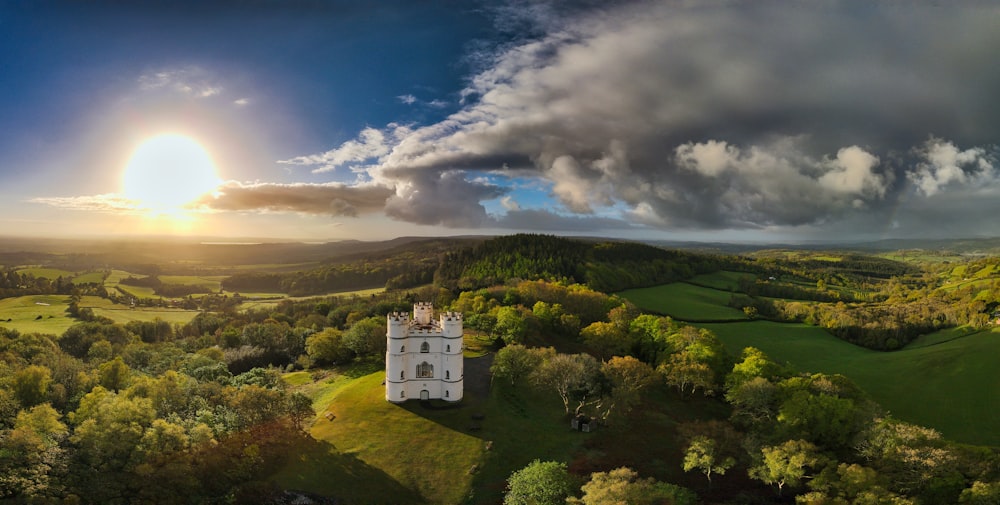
x,y
120,313
46,273
685,302
211,282
944,381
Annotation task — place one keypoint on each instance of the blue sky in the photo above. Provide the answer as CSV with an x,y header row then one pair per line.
x,y
742,121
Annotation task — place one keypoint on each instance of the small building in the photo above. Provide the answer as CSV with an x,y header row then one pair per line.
x,y
423,357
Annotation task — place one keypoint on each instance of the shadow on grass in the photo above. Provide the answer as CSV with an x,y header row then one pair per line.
x,y
321,469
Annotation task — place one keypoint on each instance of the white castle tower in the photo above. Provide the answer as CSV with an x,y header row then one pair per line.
x,y
423,357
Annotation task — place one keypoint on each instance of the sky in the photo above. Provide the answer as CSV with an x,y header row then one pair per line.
x,y
736,121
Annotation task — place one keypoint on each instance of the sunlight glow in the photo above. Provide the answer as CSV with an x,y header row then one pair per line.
x,y
166,173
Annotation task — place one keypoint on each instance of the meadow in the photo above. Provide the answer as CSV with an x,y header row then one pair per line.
x,y
36,314
685,302
944,381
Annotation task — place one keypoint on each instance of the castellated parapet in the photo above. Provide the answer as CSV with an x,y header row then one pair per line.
x,y
423,358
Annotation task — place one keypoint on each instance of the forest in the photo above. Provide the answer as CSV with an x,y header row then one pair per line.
x,y
147,411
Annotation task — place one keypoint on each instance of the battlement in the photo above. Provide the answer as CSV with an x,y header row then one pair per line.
x,y
451,316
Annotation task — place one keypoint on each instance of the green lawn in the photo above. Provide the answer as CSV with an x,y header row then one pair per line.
x,y
120,313
36,314
943,382
46,273
685,302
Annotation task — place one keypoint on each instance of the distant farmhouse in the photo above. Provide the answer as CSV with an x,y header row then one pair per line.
x,y
423,357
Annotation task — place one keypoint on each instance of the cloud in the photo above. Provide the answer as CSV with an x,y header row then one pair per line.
x,y
370,144
332,199
407,99
444,198
106,203
715,115
942,165
190,81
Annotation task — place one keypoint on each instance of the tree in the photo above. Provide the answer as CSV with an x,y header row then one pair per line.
x,y
31,454
300,409
114,374
539,483
605,339
366,337
683,370
628,377
786,464
511,325
623,486
328,346
754,401
31,385
571,376
702,454
981,493
516,361
754,363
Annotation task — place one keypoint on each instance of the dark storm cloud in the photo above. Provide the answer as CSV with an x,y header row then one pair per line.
x,y
330,199
720,115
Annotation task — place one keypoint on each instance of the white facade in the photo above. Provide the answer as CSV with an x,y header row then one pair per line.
x,y
423,357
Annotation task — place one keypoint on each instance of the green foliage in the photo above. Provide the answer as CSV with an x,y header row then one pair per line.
x,y
31,385
623,485
786,464
514,362
703,455
328,346
539,483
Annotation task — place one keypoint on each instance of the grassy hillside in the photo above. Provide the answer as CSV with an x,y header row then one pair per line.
x,y
945,381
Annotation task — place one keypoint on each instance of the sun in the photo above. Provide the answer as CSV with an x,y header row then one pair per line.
x,y
168,172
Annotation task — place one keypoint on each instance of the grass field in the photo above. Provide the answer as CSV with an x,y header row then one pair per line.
x,y
684,302
723,279
24,312
212,282
945,381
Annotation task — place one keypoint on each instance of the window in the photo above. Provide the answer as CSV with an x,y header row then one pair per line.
x,y
402,375
425,347
447,374
402,348
446,394
448,348
425,370
402,394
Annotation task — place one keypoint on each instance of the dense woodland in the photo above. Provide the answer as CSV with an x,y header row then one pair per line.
x,y
149,412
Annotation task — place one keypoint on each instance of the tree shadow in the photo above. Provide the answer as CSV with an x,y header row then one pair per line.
x,y
323,470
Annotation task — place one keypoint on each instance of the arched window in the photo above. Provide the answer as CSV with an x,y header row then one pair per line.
x,y
447,374
425,347
447,348
402,394
402,375
446,394
425,370
402,348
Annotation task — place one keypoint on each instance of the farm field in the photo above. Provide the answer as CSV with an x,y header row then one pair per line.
x,y
212,282
46,273
943,382
123,313
684,302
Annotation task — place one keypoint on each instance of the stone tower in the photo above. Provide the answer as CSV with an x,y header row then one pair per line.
x,y
423,357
